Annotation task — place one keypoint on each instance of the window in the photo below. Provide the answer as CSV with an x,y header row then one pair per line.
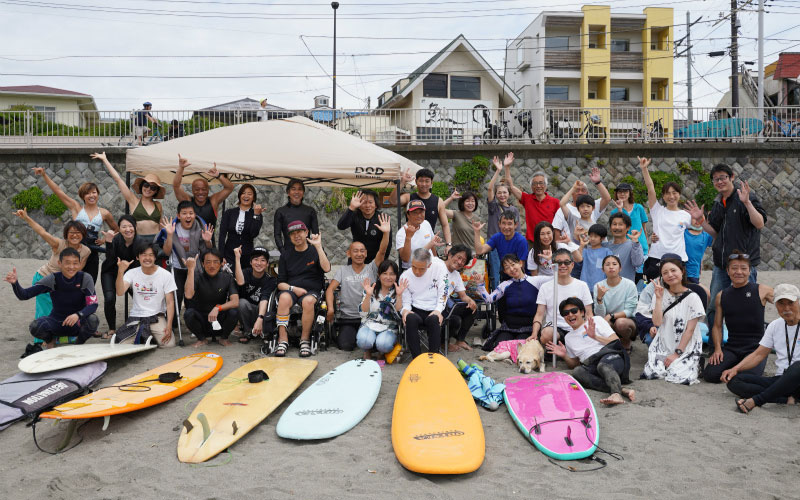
x,y
435,85
465,87
556,93
395,89
520,53
557,43
619,94
620,45
48,112
380,101
439,135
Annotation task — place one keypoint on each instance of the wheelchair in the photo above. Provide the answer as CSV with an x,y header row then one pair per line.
x,y
319,334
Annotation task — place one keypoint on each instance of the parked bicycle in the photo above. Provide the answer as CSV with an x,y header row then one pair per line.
x,y
654,134
352,128
555,133
775,127
495,133
593,131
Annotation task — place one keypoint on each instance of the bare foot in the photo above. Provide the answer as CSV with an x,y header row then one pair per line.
x,y
224,342
746,405
463,345
108,335
630,394
614,399
201,343
368,354
453,347
790,400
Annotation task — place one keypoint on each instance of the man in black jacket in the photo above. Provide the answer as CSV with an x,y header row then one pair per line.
x,y
294,210
735,221
362,219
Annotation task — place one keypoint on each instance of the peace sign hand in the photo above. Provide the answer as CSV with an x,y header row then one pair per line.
x,y
658,290
11,277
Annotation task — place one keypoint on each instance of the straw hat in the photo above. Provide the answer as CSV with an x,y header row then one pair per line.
x,y
151,179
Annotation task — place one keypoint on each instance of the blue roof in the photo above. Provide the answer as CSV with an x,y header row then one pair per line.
x,y
326,115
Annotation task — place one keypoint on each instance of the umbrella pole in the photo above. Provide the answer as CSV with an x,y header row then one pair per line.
x,y
555,316
399,212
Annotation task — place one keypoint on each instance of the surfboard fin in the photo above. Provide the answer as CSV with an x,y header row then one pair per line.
x,y
188,425
106,421
201,417
568,437
235,427
586,421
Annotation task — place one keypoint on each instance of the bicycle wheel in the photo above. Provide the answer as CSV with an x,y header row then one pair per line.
x,y
489,139
794,132
530,136
633,136
355,133
544,137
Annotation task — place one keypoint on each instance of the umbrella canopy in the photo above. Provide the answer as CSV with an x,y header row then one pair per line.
x,y
272,152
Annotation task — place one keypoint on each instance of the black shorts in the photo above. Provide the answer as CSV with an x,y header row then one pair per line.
x,y
299,300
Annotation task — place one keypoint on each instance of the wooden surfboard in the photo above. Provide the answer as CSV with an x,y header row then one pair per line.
x,y
234,406
68,356
141,391
436,428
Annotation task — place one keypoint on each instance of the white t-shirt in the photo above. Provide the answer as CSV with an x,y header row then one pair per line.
x,y
421,238
240,221
560,222
775,338
428,292
149,291
454,282
669,225
581,346
577,289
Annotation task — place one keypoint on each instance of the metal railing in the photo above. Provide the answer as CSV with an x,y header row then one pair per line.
x,y
430,126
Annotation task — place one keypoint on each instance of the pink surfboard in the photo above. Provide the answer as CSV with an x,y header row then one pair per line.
x,y
555,413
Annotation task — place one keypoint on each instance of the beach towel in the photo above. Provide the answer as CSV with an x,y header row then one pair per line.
x,y
486,391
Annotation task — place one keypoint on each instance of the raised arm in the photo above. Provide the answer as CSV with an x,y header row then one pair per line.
x,y
405,179
652,199
237,273
315,240
517,192
756,217
385,226
129,196
605,196
38,229
445,223
497,173
73,205
188,288
567,198
227,188
177,187
480,248
450,199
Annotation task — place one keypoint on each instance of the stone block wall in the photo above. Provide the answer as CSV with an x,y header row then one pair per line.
x,y
773,171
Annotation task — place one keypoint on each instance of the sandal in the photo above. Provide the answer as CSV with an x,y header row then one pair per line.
x,y
741,404
244,339
305,348
280,350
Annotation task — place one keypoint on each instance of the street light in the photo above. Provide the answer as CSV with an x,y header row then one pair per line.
x,y
334,5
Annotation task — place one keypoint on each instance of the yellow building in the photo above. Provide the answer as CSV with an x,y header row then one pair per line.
x,y
61,106
615,66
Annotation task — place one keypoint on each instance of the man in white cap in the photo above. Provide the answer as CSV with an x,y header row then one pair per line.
x,y
781,335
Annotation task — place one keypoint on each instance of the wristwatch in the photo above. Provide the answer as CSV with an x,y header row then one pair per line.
x,y
262,316
679,352
291,288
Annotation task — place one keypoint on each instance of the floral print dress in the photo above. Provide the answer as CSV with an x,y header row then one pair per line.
x,y
685,369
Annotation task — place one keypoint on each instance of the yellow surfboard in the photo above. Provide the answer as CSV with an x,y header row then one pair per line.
x,y
235,405
143,390
436,428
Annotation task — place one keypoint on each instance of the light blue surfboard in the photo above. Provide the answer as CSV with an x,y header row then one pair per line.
x,y
334,404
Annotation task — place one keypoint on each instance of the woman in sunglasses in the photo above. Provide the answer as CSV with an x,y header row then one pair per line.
x,y
594,352
675,352
146,210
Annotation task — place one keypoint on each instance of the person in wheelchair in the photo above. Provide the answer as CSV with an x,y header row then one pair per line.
x,y
424,300
350,278
255,286
301,277
462,318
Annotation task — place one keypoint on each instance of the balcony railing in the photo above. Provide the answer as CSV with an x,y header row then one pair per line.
x,y
479,125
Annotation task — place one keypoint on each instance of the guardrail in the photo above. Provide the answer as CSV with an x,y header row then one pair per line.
x,y
434,125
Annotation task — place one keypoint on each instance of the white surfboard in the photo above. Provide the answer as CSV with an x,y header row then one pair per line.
x,y
334,404
68,356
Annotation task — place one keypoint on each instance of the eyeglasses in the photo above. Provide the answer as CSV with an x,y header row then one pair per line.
x,y
538,183
721,178
567,312
562,262
735,256
147,185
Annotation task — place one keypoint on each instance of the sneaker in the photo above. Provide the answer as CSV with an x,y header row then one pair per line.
x,y
31,349
391,355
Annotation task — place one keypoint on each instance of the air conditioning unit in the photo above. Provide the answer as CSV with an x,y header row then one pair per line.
x,y
592,45
592,94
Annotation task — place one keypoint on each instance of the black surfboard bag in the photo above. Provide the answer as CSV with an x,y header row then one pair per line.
x,y
26,395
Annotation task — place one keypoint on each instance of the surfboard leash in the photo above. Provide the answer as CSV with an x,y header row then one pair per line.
x,y
536,428
72,430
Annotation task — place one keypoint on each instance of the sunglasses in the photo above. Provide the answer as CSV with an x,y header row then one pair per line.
x,y
147,185
735,256
562,262
567,312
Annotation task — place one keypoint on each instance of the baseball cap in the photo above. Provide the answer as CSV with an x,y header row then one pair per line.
x,y
670,256
297,225
624,186
260,251
415,205
786,291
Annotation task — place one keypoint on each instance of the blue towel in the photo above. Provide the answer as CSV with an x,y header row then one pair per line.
x,y
486,391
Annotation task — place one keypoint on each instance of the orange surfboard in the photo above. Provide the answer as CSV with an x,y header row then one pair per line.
x,y
436,428
141,391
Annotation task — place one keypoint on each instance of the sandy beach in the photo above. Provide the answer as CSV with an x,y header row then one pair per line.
x,y
676,441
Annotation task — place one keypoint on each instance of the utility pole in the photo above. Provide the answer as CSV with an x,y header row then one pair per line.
x,y
761,63
689,68
334,5
734,58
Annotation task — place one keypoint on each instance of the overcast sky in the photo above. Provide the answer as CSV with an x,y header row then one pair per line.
x,y
132,34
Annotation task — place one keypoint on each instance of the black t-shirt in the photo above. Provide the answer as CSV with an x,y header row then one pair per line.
x,y
211,291
301,268
256,289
